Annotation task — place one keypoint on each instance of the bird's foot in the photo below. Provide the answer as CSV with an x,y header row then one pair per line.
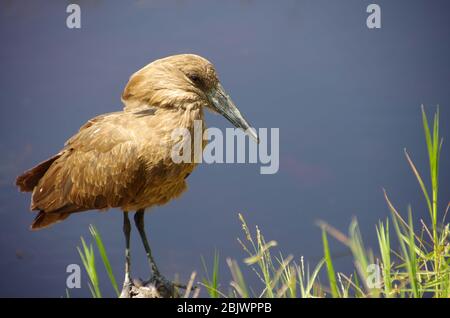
x,y
138,289
157,287
165,287
126,289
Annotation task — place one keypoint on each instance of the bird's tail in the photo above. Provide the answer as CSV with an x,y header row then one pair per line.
x,y
30,178
43,219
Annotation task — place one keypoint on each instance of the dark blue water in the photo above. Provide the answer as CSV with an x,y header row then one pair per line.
x,y
346,99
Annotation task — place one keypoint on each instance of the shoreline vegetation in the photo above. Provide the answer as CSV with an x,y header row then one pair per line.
x,y
412,260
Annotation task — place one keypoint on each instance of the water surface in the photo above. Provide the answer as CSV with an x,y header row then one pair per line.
x,y
346,99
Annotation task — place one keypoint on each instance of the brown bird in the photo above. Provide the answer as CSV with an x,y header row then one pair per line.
x,y
123,159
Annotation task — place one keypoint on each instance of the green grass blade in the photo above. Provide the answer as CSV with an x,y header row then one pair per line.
x,y
426,129
238,282
421,183
212,284
408,255
101,248
385,251
330,268
88,258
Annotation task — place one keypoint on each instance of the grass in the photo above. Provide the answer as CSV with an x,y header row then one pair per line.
x,y
212,283
418,267
87,256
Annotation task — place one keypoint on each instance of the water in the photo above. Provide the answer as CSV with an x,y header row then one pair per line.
x,y
346,100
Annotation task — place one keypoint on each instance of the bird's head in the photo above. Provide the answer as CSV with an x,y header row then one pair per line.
x,y
182,81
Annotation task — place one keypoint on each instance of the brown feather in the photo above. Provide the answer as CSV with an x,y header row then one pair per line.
x,y
123,159
43,220
29,179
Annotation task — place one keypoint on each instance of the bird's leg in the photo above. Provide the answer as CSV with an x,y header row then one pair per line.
x,y
139,221
166,287
127,282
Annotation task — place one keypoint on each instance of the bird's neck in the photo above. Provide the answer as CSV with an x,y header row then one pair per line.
x,y
170,126
169,119
190,118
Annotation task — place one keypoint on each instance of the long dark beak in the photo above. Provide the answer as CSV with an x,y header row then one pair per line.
x,y
223,104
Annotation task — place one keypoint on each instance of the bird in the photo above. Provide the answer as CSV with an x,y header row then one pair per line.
x,y
123,159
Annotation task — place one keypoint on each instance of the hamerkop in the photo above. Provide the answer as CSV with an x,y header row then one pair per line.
x,y
123,159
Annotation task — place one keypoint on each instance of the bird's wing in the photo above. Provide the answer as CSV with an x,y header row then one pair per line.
x,y
98,168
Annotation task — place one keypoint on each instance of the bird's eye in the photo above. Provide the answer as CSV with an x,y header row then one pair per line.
x,y
196,79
